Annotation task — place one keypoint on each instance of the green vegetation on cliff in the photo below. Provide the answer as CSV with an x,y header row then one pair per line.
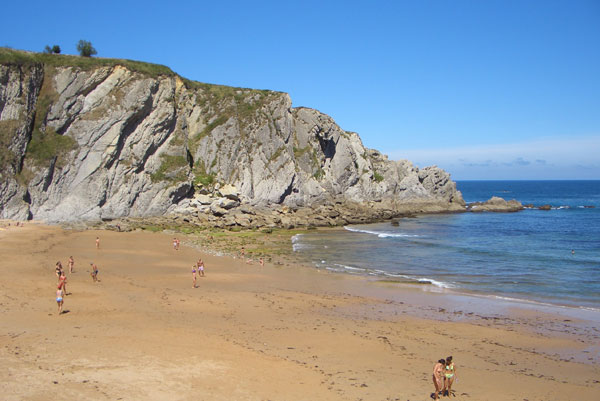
x,y
19,57
172,168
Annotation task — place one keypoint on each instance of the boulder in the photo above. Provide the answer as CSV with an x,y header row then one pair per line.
x,y
217,210
495,204
227,203
230,192
202,199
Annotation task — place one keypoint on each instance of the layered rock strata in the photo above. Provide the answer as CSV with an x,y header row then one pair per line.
x,y
108,141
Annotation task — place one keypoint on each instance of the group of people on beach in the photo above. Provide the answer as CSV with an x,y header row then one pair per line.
x,y
61,288
242,255
444,373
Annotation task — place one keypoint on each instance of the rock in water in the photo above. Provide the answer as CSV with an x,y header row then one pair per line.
x,y
496,204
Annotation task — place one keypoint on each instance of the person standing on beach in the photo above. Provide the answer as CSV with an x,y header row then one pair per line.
x,y
201,267
94,272
97,242
71,264
59,299
194,276
438,380
62,282
450,374
58,269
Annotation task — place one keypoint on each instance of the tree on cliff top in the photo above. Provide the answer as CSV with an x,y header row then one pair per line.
x,y
85,48
50,50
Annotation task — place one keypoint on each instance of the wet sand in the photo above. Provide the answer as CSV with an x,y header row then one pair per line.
x,y
261,333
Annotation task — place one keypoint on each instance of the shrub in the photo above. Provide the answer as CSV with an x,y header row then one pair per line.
x,y
52,50
85,48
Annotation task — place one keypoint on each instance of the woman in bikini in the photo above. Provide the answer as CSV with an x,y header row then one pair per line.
x,y
58,269
438,379
71,264
450,374
59,299
194,276
62,282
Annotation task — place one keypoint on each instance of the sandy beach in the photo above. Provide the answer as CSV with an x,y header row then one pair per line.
x,y
261,333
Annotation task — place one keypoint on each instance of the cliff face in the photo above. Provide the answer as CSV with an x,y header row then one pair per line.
x,y
108,141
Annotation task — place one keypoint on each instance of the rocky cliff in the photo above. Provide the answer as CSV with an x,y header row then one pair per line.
x,y
99,139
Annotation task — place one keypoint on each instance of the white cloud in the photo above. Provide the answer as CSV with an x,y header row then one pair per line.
x,y
552,158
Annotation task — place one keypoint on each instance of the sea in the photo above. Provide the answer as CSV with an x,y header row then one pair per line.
x,y
550,257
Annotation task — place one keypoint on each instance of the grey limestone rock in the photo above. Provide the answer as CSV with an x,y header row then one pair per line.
x,y
130,144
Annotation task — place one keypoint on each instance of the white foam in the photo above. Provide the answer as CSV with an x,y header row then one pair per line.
x,y
351,268
436,283
380,234
433,282
297,247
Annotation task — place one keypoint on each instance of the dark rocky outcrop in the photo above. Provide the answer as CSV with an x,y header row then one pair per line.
x,y
495,204
112,140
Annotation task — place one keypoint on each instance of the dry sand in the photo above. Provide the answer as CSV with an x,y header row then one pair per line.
x,y
259,333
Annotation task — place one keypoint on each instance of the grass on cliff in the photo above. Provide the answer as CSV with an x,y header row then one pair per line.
x,y
46,144
7,131
19,57
172,168
201,176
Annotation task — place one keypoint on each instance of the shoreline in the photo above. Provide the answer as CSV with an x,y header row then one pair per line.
x,y
276,332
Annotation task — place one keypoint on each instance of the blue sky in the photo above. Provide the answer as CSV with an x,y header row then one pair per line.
x,y
485,89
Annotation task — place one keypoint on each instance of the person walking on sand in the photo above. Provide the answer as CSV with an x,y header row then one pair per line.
x,y
261,261
194,276
97,242
58,269
71,264
94,272
174,243
450,374
438,379
59,299
62,282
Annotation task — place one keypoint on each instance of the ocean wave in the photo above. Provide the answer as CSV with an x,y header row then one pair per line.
x,y
297,246
351,268
301,247
421,280
380,234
